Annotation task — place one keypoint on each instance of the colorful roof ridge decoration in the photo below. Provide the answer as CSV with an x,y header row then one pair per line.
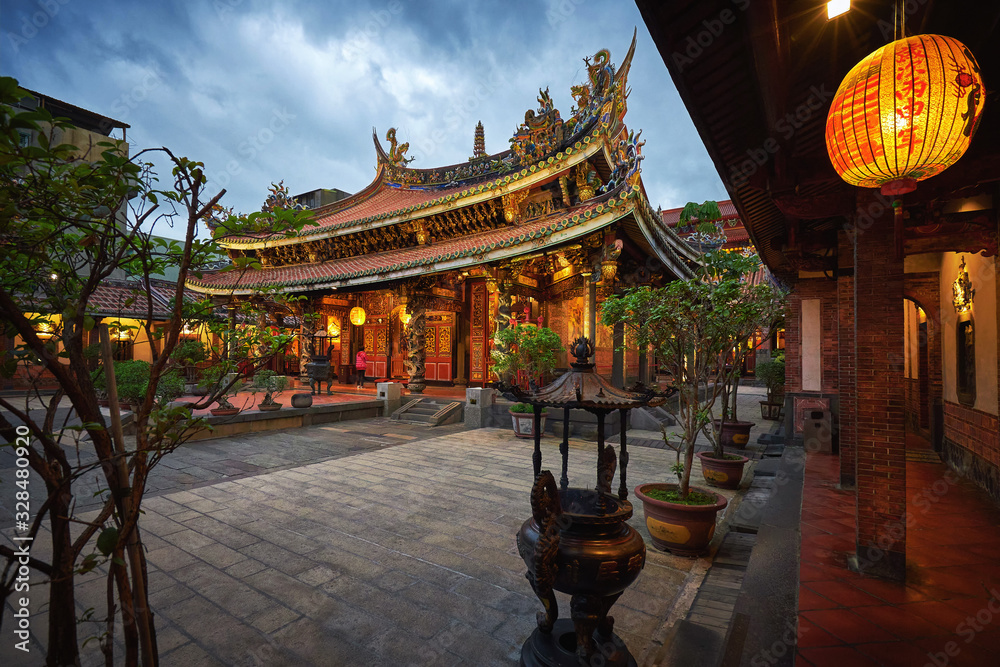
x,y
600,211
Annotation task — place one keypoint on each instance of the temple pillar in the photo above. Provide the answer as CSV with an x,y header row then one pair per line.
x,y
881,438
590,321
416,306
618,356
306,331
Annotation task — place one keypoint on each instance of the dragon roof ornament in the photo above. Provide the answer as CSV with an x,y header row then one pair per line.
x,y
601,101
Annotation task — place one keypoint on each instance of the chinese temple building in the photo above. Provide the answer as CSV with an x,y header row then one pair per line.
x,y
422,265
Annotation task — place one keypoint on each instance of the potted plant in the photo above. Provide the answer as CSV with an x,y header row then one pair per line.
x,y
525,349
523,417
772,374
272,384
691,323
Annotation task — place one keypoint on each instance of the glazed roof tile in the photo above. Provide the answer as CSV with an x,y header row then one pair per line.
x,y
407,258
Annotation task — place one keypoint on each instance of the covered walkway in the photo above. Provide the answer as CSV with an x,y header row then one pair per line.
x,y
948,610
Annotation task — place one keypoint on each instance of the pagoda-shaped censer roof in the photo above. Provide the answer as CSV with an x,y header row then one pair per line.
x,y
581,387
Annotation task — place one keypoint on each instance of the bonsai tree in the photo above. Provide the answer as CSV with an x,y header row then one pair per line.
x,y
525,348
272,384
694,326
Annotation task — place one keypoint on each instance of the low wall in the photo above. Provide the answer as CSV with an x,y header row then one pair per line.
x,y
255,421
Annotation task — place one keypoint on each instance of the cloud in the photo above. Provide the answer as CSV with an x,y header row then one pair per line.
x,y
263,92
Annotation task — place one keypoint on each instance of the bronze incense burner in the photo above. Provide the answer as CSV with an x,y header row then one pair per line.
x,y
577,540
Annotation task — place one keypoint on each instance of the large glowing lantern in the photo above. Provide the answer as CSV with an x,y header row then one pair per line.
x,y
905,113
357,316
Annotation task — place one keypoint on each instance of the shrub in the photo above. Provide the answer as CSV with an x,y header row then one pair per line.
x,y
132,380
170,386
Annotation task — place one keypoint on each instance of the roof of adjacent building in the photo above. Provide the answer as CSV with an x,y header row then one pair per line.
x,y
732,225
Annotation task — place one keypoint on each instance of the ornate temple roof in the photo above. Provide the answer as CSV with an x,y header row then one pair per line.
x,y
379,233
451,254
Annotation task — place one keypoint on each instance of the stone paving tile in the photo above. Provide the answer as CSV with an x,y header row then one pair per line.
x,y
401,554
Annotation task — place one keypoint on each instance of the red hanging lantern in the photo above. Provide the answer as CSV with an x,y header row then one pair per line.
x,y
905,113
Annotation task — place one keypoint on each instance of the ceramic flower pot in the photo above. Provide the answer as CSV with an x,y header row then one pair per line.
x,y
524,423
722,473
684,530
734,434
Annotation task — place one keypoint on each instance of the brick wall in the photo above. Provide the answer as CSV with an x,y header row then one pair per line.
x,y
881,453
925,290
826,291
974,430
846,354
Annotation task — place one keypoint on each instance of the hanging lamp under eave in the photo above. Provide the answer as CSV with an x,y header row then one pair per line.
x,y
357,316
905,113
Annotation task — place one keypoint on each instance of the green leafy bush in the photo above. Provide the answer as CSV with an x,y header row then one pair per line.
x,y
132,380
170,386
524,408
525,348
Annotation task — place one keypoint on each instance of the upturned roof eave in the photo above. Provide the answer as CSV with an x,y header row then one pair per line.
x,y
527,177
623,208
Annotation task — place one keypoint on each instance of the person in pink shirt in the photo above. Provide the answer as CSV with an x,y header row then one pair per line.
x,y
361,364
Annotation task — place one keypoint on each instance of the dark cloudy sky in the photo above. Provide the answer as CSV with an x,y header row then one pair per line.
x,y
262,91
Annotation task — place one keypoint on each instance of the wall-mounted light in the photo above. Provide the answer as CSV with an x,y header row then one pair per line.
x,y
963,290
405,318
835,8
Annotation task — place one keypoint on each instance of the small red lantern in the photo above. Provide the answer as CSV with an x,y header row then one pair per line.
x,y
905,113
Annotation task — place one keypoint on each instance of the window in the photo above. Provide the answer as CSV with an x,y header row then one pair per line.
x,y
24,138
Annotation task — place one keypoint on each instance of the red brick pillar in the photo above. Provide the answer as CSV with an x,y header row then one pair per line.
x,y
846,354
878,335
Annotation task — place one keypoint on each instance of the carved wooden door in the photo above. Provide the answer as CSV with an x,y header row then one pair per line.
x,y
377,347
437,346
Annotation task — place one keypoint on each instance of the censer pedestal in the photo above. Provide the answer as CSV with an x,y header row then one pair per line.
x,y
558,648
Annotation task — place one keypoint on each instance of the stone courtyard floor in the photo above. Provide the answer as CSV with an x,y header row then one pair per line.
x,y
364,543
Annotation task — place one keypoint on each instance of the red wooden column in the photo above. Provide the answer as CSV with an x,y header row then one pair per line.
x,y
846,355
881,446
